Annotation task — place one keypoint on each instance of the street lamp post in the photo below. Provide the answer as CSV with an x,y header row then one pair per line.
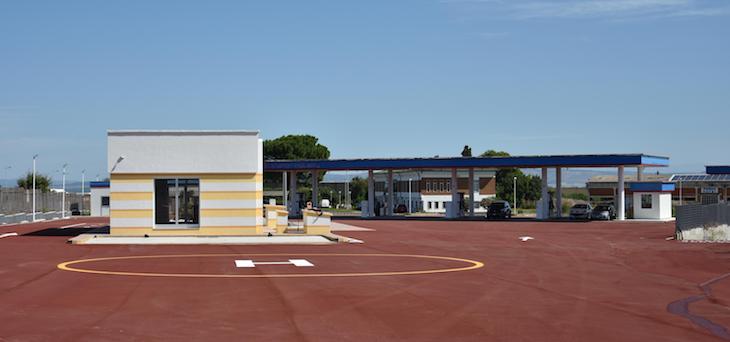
x,y
34,158
514,192
83,180
63,194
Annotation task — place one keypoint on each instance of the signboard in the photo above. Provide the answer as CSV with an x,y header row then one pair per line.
x,y
709,190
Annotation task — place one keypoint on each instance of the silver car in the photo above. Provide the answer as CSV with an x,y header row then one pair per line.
x,y
581,211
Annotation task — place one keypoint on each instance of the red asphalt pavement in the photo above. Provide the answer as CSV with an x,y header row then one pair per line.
x,y
573,282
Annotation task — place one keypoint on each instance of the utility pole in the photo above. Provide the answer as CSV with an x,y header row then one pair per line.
x,y
34,158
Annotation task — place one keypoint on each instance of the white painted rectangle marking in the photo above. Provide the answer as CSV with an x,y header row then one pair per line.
x,y
8,235
245,263
295,262
301,263
73,225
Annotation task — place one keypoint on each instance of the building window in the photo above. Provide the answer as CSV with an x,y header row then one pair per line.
x,y
428,189
441,186
105,200
429,205
646,201
443,205
177,201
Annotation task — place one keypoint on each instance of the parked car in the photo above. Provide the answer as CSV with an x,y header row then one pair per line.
x,y
603,212
499,209
400,209
74,209
581,211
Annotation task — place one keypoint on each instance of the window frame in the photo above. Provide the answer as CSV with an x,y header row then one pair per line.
x,y
651,201
176,224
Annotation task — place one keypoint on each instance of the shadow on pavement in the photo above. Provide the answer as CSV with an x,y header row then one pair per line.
x,y
68,231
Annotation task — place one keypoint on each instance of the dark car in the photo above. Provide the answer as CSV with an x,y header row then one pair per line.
x,y
499,209
400,209
603,212
581,211
74,208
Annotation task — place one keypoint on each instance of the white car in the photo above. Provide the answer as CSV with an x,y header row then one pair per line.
x,y
581,211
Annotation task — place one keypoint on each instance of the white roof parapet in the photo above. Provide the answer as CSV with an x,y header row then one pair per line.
x,y
122,132
184,151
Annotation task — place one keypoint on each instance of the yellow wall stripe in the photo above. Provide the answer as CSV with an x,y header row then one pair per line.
x,y
231,212
231,195
131,196
131,213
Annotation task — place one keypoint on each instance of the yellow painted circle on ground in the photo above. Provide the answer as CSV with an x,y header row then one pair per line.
x,y
67,266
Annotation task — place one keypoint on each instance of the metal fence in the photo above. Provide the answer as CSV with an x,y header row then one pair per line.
x,y
18,200
27,217
708,222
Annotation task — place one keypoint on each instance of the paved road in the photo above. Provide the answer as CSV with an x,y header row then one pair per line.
x,y
572,282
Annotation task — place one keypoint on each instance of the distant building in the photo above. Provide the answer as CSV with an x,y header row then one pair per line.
x,y
602,189
708,188
99,198
430,190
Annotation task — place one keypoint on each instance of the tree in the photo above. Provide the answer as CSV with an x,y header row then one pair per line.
x,y
294,147
466,152
42,182
359,190
528,186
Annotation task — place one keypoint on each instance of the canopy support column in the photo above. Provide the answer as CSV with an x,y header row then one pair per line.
x,y
620,195
472,196
293,200
559,192
315,188
454,194
284,194
639,173
545,196
389,189
371,194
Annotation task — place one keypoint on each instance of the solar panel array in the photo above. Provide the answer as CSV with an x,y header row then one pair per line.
x,y
701,178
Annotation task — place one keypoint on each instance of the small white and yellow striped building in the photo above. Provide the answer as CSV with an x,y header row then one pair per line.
x,y
185,182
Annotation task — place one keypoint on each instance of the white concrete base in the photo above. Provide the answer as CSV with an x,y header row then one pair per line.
x,y
91,239
720,233
341,227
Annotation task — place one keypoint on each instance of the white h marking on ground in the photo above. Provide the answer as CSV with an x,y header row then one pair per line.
x,y
295,262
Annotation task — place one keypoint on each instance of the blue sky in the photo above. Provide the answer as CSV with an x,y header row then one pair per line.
x,y
370,78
